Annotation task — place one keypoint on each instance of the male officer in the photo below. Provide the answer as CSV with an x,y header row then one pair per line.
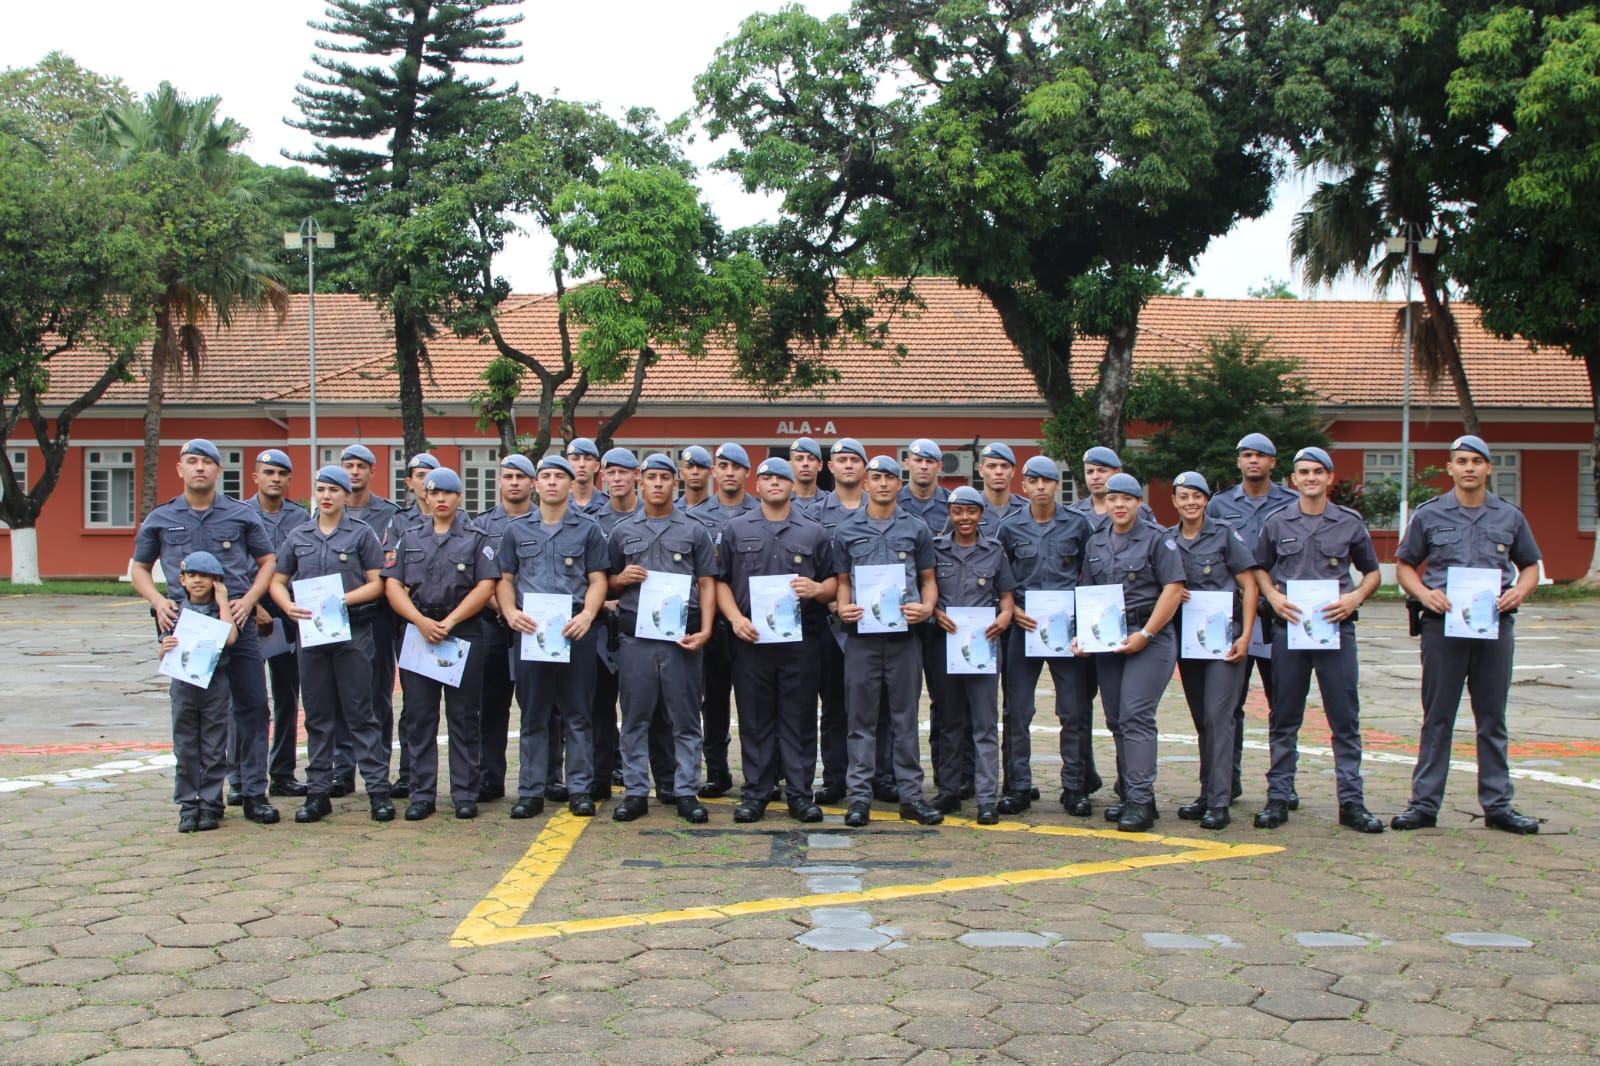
x,y
805,457
1245,507
583,455
1099,464
281,516
363,506
996,464
515,484
732,468
203,519
1313,539
925,498
884,666
1044,546
1467,527
557,551
776,682
694,466
847,462
922,495
661,538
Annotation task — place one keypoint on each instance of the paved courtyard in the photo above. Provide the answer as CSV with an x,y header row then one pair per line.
x,y
558,940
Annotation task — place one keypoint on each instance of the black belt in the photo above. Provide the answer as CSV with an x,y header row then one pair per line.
x,y
363,612
629,621
1136,617
439,614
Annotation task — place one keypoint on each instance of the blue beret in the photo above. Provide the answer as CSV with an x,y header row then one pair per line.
x,y
807,445
361,452
274,457
777,467
662,461
557,462
734,454
1191,479
884,464
1257,442
998,450
334,475
520,462
443,480
966,495
583,446
923,448
422,460
1467,442
694,455
1126,484
1041,466
1102,456
202,562
848,445
620,457
1314,455
201,446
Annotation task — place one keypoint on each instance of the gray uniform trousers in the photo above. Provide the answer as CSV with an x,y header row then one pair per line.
x,y
419,724
833,723
1264,668
649,671
775,690
1484,667
1130,688
337,687
1073,682
880,667
382,667
1337,673
494,720
283,678
247,685
562,694
969,720
1211,688
200,743
950,777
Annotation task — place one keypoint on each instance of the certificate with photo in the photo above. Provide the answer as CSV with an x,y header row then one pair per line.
x,y
1313,632
775,608
1474,595
444,662
1207,625
881,591
968,650
1052,609
664,606
201,640
550,613
330,618
1102,618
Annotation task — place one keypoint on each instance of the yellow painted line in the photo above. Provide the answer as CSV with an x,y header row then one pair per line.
x,y
495,920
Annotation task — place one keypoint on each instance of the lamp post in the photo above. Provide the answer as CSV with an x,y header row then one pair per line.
x,y
1409,243
310,236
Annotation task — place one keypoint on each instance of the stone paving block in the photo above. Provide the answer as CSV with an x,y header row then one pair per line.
x,y
66,971
1227,1022
1339,1037
366,1033
1534,1038
251,1049
1166,1038
667,1051
843,1019
198,935
1417,1019
36,1002
781,1039
956,1002
1305,1005
391,1003
131,988
751,1006
945,1031
1054,1050
52,1049
209,1003
1453,1051
283,1017
454,1051
346,1058
1128,1005
864,1048
1207,992
172,1032
94,1018
144,1057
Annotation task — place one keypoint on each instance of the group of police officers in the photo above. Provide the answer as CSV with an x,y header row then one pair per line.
x,y
555,531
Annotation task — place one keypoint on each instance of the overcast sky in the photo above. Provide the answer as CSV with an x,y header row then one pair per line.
x,y
619,53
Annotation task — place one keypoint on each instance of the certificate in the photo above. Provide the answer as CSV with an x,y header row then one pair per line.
x,y
774,608
1207,627
1313,632
1102,621
330,619
201,639
1052,609
444,662
1473,592
881,591
968,650
550,614
663,606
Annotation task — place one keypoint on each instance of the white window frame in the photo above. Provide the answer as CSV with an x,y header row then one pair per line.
x,y
331,456
1377,466
108,461
480,478
1069,486
232,471
19,469
1586,491
1507,480
397,476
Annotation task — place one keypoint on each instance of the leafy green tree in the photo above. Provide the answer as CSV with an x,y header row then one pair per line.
x,y
1272,289
381,127
44,103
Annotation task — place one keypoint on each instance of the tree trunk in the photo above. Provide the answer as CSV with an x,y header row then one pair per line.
x,y
408,356
602,437
508,435
1116,376
1048,358
25,556
1591,364
161,356
1441,320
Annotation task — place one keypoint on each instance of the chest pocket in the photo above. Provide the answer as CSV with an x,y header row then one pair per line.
x,y
1290,549
1096,569
678,549
226,532
528,550
748,545
632,547
302,551
861,549
1205,567
569,552
460,552
905,548
947,572
1026,554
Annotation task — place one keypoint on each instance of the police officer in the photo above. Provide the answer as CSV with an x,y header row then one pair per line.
x,y
805,457
338,676
280,516
847,462
200,715
1143,559
203,519
418,467
1044,546
885,666
694,466
515,484
376,511
442,577
1099,464
996,465
1245,507
922,495
776,683
1315,539
557,551
583,455
661,538
972,572
731,469
1215,559
1470,527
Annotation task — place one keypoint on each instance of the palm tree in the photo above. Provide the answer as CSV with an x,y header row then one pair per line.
x,y
213,282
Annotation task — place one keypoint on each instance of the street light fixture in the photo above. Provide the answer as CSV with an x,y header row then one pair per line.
x,y
310,236
1409,243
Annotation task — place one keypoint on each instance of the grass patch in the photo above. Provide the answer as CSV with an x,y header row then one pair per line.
x,y
70,587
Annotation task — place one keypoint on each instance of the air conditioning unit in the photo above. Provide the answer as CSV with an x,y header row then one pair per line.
x,y
957,464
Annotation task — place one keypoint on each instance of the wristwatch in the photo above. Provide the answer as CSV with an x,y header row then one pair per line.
x,y
1147,635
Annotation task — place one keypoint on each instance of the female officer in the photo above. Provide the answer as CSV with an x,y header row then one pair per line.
x,y
1143,559
337,678
1215,559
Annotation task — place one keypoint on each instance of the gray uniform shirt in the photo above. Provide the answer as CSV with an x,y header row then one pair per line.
x,y
680,546
905,541
280,524
1442,534
1246,513
1295,546
376,512
808,505
1213,557
993,516
598,501
228,529
830,512
609,517
1146,561
349,551
553,561
439,570
754,545
1045,555
972,575
935,511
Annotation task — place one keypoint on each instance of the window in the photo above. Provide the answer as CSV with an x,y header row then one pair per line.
x,y
1069,485
1586,491
330,457
233,473
480,474
109,481
397,475
19,468
1507,480
1377,467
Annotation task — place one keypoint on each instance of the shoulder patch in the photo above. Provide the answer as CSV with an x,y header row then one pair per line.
x,y
1171,545
488,552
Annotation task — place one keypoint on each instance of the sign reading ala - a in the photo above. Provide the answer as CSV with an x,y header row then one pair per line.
x,y
802,428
